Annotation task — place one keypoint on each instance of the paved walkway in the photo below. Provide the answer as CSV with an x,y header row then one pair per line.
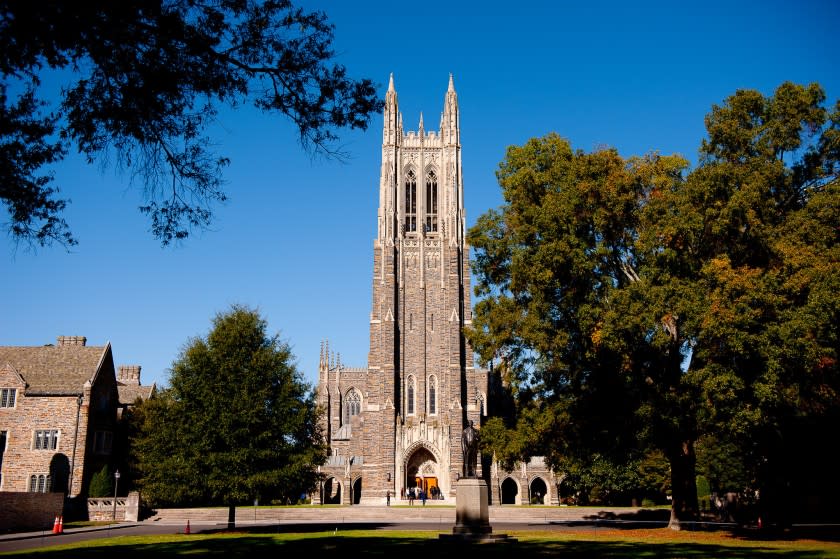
x,y
400,513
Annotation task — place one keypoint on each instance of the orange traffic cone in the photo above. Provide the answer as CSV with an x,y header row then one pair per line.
x,y
55,526
60,524
187,529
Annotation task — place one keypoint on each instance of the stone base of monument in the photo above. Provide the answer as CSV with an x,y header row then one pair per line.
x,y
472,516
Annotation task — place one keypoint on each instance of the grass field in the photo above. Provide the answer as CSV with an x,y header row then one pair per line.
x,y
609,543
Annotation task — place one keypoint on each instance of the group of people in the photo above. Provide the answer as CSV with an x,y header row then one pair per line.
x,y
469,447
418,493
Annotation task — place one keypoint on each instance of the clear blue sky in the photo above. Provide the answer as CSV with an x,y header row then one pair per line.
x,y
295,239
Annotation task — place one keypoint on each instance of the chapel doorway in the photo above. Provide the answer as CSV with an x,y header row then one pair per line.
x,y
422,473
429,485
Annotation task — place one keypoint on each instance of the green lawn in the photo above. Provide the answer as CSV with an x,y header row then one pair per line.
x,y
611,543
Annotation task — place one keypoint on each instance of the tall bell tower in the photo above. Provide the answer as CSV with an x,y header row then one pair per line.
x,y
396,424
421,300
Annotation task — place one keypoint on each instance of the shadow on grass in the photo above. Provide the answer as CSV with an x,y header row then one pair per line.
x,y
302,528
659,518
245,545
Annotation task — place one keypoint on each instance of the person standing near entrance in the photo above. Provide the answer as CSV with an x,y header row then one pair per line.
x,y
388,498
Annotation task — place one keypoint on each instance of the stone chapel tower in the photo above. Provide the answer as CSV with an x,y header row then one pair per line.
x,y
397,423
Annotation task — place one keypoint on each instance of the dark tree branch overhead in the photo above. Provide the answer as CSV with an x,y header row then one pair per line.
x,y
151,78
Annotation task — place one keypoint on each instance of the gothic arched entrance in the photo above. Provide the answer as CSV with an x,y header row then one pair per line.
x,y
357,491
332,492
422,473
539,489
509,491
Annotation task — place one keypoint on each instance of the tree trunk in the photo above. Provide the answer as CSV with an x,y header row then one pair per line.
x,y
683,485
231,517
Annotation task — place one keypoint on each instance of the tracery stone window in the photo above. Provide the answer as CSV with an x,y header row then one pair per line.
x,y
410,396
432,395
431,203
352,405
40,483
410,202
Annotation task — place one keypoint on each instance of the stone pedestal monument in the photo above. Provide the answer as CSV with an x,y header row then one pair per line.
x,y
472,517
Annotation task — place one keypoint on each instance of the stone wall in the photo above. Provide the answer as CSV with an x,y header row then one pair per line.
x,y
21,511
21,460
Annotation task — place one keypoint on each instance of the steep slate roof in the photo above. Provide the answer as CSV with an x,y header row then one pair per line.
x,y
54,370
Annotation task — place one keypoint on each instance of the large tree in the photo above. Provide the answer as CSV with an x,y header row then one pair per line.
x,y
236,423
147,80
637,305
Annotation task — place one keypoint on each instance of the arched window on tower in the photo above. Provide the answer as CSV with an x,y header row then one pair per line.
x,y
352,405
410,202
410,396
431,203
432,395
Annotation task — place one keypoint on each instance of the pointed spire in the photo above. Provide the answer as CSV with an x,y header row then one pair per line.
x,y
391,82
390,113
449,121
421,120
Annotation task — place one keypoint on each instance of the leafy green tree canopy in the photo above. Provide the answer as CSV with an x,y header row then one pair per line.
x,y
151,77
236,423
637,305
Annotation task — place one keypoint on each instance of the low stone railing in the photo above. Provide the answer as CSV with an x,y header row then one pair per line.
x,y
118,510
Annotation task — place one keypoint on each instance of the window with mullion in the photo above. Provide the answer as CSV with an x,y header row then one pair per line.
x,y
410,203
431,203
7,397
46,439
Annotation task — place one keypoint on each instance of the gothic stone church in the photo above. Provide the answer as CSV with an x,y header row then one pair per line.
x,y
396,425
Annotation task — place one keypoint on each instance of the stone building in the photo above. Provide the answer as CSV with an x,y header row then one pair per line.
x,y
396,424
129,388
58,415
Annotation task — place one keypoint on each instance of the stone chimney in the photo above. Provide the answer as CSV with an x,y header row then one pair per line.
x,y
128,374
71,340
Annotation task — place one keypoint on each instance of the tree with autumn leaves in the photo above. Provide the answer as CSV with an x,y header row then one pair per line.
x,y
637,305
